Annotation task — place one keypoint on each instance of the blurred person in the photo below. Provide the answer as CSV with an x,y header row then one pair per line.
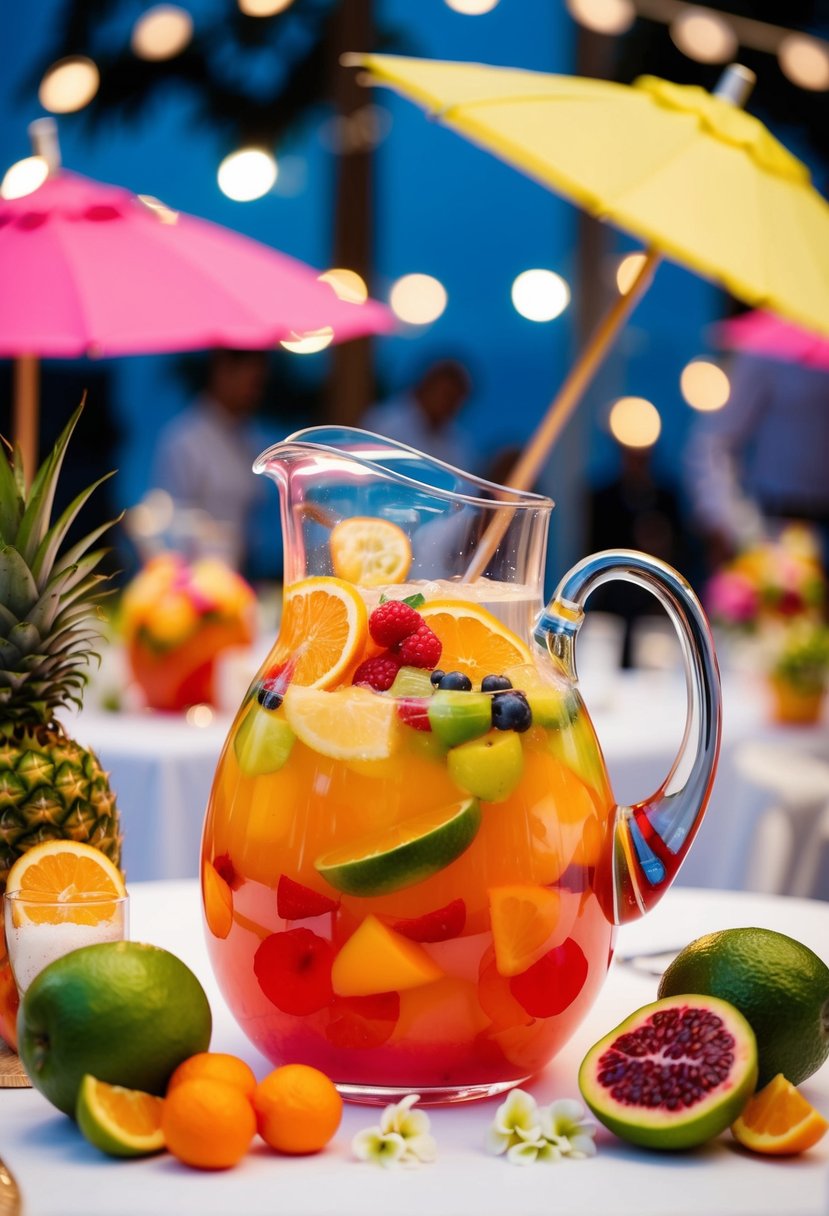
x,y
634,511
203,457
425,416
761,461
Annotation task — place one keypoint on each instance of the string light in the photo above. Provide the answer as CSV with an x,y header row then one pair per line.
x,y
162,32
346,284
69,85
703,35
540,295
263,8
628,270
603,16
704,385
472,8
247,174
635,422
311,343
805,61
418,299
23,177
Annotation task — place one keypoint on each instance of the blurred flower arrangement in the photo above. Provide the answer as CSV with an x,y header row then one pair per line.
x,y
775,594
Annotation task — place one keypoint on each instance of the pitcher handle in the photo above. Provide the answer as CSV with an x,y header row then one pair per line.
x,y
649,839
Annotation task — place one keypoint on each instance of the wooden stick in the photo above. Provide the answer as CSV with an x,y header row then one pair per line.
x,y
538,449
26,411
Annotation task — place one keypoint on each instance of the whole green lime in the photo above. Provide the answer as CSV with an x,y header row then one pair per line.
x,y
779,985
126,1013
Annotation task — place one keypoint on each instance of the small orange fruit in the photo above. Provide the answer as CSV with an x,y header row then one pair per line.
x,y
215,1066
778,1121
298,1109
208,1124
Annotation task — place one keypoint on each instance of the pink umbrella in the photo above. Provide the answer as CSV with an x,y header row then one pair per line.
x,y
763,333
90,269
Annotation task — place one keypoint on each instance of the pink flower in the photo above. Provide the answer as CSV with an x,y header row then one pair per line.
x,y
732,598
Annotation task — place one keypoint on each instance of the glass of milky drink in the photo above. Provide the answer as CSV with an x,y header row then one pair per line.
x,y
39,930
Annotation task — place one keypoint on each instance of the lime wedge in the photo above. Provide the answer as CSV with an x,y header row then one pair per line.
x,y
405,854
121,1122
263,742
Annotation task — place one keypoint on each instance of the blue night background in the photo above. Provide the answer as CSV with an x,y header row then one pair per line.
x,y
442,207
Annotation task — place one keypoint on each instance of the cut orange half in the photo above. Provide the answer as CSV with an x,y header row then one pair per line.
x,y
324,629
524,918
62,880
778,1121
370,552
474,641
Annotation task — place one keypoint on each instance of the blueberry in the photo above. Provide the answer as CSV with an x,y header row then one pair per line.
x,y
269,698
511,711
456,680
495,683
436,676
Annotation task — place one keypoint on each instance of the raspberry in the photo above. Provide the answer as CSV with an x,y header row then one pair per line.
x,y
414,711
421,649
393,621
378,672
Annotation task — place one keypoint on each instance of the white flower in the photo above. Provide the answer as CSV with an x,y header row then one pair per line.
x,y
528,1133
402,1137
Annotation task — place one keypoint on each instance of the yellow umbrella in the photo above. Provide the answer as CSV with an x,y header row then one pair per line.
x,y
688,171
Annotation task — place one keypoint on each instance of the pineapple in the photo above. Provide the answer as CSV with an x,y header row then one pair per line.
x,y
50,787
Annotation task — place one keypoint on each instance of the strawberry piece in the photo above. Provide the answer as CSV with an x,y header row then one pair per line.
x,y
393,621
414,711
297,902
294,971
225,869
421,649
552,984
438,926
378,672
363,1021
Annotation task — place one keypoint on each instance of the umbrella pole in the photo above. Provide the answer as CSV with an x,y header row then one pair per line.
x,y
548,430
26,402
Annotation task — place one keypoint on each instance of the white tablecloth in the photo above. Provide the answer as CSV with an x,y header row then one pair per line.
x,y
60,1175
162,768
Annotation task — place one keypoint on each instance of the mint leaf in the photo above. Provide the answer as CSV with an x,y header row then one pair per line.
x,y
415,601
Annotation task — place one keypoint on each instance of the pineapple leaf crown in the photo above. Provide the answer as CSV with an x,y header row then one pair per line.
x,y
49,594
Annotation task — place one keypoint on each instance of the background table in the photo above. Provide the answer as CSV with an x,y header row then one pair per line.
x,y
60,1175
162,768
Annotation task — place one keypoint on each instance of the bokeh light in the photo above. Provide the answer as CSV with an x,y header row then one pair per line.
x,y
311,343
69,85
23,177
200,715
704,385
805,61
418,299
540,295
472,8
263,8
247,174
603,16
703,35
346,284
635,422
162,32
628,271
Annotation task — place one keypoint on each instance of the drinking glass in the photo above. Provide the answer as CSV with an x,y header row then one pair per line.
x,y
38,930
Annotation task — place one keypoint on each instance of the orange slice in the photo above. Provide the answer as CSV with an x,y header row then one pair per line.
x,y
347,724
56,876
778,1121
474,641
324,629
376,959
218,901
121,1122
370,552
524,918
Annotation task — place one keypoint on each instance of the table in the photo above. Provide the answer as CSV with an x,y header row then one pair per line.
x,y
162,767
60,1175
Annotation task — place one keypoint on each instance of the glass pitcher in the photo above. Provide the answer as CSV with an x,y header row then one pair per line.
x,y
412,863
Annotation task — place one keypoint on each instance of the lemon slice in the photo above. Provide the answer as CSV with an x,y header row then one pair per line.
x,y
370,552
404,854
58,874
348,724
121,1122
474,641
